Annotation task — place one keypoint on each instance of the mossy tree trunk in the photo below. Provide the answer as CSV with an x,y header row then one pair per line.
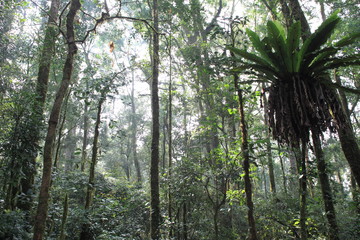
x,y
154,165
44,196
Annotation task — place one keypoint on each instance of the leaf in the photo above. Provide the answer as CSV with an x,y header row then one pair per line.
x,y
292,42
347,40
316,40
277,41
249,56
259,46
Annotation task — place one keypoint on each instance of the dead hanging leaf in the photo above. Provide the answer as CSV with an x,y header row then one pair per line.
x,y
112,46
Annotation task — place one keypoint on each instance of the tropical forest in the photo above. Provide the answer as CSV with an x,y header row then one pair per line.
x,y
179,120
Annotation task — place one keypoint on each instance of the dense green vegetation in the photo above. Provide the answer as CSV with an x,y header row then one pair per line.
x,y
217,119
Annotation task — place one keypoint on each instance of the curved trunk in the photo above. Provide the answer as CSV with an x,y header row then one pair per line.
x,y
42,209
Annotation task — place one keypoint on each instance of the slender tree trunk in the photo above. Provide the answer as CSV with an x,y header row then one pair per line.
x,y
246,163
170,144
268,147
154,165
134,132
283,171
325,188
60,132
85,136
86,233
64,218
301,164
185,228
355,192
42,209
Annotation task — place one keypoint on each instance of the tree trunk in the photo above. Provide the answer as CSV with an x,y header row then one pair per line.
x,y
325,188
170,144
301,165
85,136
154,165
134,132
64,218
42,209
346,135
184,223
297,14
283,171
246,163
268,147
85,233
39,104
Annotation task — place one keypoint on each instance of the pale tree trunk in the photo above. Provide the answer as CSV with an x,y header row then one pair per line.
x,y
154,165
268,147
42,209
85,117
85,138
134,132
170,143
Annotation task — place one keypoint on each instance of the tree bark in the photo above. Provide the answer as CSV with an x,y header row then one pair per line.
x,y
170,143
300,155
154,165
246,163
268,147
42,209
297,14
134,132
346,135
85,233
36,117
325,188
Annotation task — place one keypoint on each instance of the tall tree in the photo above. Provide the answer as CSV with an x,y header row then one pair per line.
x,y
86,233
44,195
27,154
154,165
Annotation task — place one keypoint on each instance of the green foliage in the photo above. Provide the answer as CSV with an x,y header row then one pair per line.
x,y
119,210
13,225
301,95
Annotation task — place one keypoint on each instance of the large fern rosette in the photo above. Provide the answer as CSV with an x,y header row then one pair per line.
x,y
301,94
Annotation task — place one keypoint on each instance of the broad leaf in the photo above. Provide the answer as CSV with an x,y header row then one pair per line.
x,y
347,40
259,46
277,41
292,42
249,56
